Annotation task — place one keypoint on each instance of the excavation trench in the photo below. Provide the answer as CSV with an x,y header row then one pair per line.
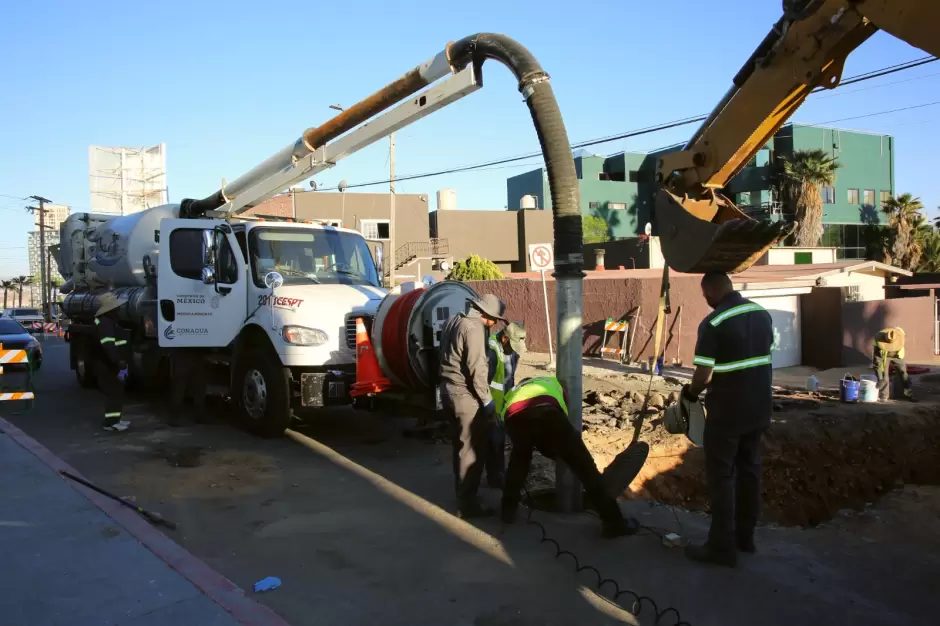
x,y
820,455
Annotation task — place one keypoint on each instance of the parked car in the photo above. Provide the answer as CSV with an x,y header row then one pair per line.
x,y
26,317
14,337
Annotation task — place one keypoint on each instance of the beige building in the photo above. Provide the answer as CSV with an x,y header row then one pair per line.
x,y
422,240
55,215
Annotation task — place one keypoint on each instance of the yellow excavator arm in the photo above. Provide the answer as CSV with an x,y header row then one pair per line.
x,y
700,229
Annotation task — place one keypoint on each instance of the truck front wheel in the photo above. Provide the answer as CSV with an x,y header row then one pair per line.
x,y
262,393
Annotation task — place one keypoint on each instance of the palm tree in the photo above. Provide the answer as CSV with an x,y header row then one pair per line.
x,y
7,286
908,230
803,174
20,282
930,257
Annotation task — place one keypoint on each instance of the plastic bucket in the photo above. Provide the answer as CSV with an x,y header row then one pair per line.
x,y
868,389
848,390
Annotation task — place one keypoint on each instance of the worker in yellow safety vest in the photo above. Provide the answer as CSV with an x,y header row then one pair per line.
x,y
889,349
535,413
502,351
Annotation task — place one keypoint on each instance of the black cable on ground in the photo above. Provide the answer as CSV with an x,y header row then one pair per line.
x,y
637,600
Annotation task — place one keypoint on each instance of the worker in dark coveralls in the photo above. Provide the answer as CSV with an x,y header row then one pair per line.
x,y
887,351
536,417
733,361
502,353
465,394
111,358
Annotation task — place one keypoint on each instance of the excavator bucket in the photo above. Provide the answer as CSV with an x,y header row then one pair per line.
x,y
712,235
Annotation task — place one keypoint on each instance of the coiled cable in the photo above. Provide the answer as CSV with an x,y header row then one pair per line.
x,y
637,600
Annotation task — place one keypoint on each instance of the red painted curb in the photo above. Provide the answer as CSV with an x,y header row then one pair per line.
x,y
223,591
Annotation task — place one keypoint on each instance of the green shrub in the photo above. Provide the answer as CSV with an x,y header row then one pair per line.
x,y
474,268
594,229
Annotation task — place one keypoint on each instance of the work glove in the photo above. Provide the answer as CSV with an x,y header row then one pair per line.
x,y
489,410
687,393
122,375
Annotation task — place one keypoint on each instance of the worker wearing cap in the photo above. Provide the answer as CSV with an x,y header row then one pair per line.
x,y
503,351
465,394
111,362
888,350
733,361
535,413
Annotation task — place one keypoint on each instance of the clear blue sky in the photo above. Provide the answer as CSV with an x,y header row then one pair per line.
x,y
225,84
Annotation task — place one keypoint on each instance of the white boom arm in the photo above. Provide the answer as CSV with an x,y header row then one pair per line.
x,y
461,84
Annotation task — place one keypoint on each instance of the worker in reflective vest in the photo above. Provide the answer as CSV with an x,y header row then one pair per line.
x,y
733,360
503,350
535,413
111,361
888,350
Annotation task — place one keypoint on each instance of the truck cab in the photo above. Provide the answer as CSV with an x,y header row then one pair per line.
x,y
275,302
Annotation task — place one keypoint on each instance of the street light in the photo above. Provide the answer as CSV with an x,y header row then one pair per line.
x,y
337,107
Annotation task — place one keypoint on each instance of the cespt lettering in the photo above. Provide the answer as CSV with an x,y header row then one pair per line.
x,y
291,303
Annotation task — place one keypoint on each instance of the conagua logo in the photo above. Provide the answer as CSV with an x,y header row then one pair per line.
x,y
291,303
192,331
168,333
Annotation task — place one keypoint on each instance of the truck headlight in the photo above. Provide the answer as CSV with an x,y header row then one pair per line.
x,y
302,336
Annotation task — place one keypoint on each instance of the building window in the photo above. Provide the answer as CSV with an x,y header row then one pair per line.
x,y
802,258
868,197
374,229
828,195
594,205
885,196
744,198
852,196
616,206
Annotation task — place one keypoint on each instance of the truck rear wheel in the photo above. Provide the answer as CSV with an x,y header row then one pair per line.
x,y
262,393
82,362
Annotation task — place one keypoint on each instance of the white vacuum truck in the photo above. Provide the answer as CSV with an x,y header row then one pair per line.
x,y
272,306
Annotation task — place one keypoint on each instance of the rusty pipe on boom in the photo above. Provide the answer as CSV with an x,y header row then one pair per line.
x,y
413,81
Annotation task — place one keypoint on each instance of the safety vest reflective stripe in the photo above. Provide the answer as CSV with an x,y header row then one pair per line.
x,y
118,414
533,388
107,339
703,360
120,342
738,310
743,364
97,321
498,384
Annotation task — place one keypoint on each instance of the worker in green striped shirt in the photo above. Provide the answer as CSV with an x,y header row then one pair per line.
x,y
733,362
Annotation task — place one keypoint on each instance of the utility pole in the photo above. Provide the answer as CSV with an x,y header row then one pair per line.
x,y
391,211
41,209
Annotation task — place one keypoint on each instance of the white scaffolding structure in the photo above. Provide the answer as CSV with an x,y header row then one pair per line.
x,y
126,179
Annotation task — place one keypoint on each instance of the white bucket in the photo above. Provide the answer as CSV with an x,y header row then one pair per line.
x,y
868,389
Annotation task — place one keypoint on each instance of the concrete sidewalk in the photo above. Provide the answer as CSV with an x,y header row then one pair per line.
x,y
67,561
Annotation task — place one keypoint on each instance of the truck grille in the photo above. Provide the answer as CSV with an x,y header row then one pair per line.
x,y
351,329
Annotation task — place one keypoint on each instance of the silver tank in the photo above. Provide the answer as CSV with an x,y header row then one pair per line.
x,y
138,301
100,251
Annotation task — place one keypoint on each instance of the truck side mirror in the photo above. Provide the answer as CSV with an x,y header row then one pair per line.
x,y
208,275
209,248
380,261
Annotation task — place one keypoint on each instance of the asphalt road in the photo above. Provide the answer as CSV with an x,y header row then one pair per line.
x,y
355,519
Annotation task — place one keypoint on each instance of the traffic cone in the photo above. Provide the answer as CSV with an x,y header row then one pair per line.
x,y
369,378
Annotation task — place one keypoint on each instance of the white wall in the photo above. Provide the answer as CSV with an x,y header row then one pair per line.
x,y
785,256
785,313
870,286
657,261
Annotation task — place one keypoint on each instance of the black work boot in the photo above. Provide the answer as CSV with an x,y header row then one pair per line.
x,y
474,510
620,528
706,554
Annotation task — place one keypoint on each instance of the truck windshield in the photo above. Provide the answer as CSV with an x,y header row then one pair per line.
x,y
311,256
29,312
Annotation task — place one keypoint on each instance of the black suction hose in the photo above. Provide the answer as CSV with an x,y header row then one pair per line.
x,y
550,128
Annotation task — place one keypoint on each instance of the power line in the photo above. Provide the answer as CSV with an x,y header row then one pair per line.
x,y
661,127
858,117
